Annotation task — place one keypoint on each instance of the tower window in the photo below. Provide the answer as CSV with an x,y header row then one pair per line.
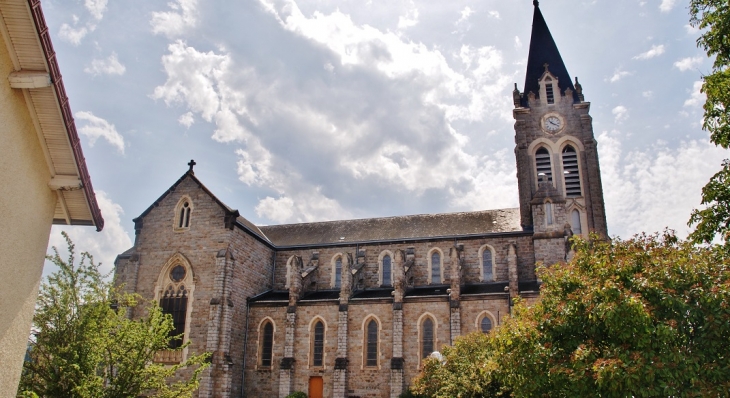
x,y
575,222
267,345
571,172
372,344
182,214
386,271
543,166
318,346
427,338
549,92
549,213
487,265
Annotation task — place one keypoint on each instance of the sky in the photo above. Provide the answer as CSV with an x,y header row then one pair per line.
x,y
314,110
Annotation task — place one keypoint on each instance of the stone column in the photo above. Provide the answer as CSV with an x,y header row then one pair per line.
x,y
396,363
455,293
286,369
215,317
339,389
512,268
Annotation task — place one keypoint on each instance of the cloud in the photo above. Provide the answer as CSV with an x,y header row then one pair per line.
x,y
104,245
618,74
108,66
72,34
697,97
410,19
96,8
620,114
656,187
494,14
177,21
688,63
186,119
465,14
518,43
655,51
691,30
667,5
97,127
647,94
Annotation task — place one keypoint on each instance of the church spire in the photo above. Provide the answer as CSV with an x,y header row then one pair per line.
x,y
543,50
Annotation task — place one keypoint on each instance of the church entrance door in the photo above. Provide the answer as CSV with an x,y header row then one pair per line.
x,y
316,387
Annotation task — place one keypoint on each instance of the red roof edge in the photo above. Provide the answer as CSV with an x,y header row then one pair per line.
x,y
73,136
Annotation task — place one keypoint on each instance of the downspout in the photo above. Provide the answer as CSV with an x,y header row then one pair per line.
x,y
245,348
273,270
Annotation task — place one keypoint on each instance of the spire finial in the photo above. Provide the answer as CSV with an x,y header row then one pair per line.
x,y
535,3
545,65
191,164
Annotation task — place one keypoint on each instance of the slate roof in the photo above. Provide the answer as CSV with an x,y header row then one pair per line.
x,y
395,228
543,50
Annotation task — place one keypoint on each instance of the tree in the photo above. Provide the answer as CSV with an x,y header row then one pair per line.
x,y
83,345
645,317
712,17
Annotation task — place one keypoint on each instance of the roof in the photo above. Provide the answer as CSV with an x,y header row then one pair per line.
x,y
26,36
543,50
421,226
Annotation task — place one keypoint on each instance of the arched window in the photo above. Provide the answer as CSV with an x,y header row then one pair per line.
x,y
386,271
267,344
486,324
543,165
571,172
435,267
487,269
182,214
338,272
371,354
427,337
548,213
575,222
175,302
318,344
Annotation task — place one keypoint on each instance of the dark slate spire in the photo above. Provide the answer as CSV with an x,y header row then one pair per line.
x,y
543,50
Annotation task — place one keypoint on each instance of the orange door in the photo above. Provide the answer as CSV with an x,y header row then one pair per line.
x,y
316,387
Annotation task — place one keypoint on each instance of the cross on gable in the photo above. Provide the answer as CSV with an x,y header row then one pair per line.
x,y
191,164
545,65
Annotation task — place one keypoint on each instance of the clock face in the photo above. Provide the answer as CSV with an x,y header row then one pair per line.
x,y
552,124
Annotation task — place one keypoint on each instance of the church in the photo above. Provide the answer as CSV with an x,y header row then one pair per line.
x,y
351,308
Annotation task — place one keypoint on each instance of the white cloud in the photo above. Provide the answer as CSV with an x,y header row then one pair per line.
x,y
691,30
107,66
177,21
688,63
647,94
655,51
72,34
518,43
97,127
96,8
620,114
697,97
667,5
494,14
104,245
186,119
410,19
656,187
465,14
618,74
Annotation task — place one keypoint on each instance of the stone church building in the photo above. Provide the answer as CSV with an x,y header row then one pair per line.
x,y
350,308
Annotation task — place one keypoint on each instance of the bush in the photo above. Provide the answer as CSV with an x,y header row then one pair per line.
x,y
297,394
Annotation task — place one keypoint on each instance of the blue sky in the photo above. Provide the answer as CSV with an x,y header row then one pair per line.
x,y
311,110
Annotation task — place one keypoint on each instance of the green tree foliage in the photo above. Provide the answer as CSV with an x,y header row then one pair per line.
x,y
646,317
712,17
83,345
466,370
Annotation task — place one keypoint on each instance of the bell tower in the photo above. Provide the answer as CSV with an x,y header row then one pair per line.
x,y
558,174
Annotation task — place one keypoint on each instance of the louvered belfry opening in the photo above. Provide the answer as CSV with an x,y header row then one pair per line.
x,y
175,303
542,164
571,172
549,91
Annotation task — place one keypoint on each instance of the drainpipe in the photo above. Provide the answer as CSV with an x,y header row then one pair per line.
x,y
273,270
245,348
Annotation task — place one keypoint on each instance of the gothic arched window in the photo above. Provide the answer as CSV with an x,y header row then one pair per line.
x,y
338,272
175,302
267,344
427,346
575,222
182,214
386,271
435,264
318,344
543,165
371,347
486,324
487,266
571,172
